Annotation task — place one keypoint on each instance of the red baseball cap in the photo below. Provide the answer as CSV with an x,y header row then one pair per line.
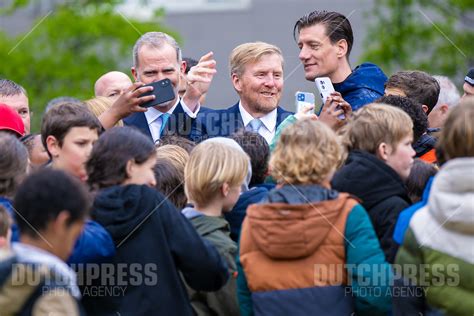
x,y
10,120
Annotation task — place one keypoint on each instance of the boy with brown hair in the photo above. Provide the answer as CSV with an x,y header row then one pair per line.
x,y
380,155
214,175
68,132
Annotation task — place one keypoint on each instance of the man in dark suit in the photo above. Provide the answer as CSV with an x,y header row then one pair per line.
x,y
157,56
257,75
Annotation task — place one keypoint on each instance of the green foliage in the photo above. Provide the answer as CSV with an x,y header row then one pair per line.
x,y
72,47
431,35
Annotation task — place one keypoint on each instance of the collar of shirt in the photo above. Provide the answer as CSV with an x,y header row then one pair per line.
x,y
268,120
153,113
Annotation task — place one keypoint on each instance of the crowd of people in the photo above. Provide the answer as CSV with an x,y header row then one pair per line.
x,y
178,209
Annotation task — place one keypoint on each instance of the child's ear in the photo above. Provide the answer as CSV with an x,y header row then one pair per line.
x,y
129,168
225,189
53,146
60,222
383,151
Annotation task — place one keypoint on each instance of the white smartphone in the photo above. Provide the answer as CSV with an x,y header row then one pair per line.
x,y
325,87
302,99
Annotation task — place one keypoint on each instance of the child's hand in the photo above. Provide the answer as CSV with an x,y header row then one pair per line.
x,y
306,112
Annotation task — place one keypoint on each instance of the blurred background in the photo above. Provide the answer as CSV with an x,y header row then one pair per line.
x,y
59,48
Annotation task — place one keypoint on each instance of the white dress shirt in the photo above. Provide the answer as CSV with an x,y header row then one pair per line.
x,y
152,116
268,127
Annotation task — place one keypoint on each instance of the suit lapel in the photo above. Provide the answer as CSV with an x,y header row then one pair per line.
x,y
139,121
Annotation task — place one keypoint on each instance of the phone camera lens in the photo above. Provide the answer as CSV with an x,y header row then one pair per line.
x,y
324,87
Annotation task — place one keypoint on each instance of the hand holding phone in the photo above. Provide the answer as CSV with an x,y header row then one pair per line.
x,y
302,99
325,89
162,90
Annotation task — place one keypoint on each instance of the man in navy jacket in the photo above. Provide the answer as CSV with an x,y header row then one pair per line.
x,y
256,71
157,56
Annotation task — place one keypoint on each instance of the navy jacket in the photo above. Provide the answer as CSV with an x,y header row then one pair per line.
x,y
223,123
156,247
381,190
179,123
364,85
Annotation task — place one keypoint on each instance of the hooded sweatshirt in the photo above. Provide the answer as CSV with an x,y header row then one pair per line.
x,y
216,230
155,242
293,251
364,85
441,236
381,190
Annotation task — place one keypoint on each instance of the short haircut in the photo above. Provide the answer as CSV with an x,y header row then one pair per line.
x,y
307,153
11,88
457,136
61,100
337,26
99,105
44,195
190,62
258,150
210,165
13,164
448,93
155,39
169,173
416,182
374,124
413,109
182,142
5,222
249,53
107,164
416,85
59,120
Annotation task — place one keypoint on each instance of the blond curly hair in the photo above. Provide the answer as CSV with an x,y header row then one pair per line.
x,y
308,152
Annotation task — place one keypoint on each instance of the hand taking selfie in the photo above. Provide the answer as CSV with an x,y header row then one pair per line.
x,y
336,111
128,103
306,112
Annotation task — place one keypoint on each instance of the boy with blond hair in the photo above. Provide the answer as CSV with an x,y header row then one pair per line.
x,y
214,175
298,244
380,155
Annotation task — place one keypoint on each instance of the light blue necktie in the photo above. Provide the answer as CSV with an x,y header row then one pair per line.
x,y
254,125
164,119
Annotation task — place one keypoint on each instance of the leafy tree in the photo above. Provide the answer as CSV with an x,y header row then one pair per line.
x,y
76,42
431,35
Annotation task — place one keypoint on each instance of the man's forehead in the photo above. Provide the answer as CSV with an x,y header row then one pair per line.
x,y
17,100
151,53
315,32
264,62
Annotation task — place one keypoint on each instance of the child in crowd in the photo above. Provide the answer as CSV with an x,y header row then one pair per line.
x,y
36,151
214,175
169,173
294,245
441,234
379,143
68,131
13,169
34,279
148,232
182,142
416,182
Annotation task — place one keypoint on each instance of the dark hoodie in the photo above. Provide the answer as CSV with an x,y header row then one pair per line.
x,y
381,190
364,85
151,234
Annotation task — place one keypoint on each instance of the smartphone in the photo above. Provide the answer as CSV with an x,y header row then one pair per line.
x,y
162,90
325,89
302,99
